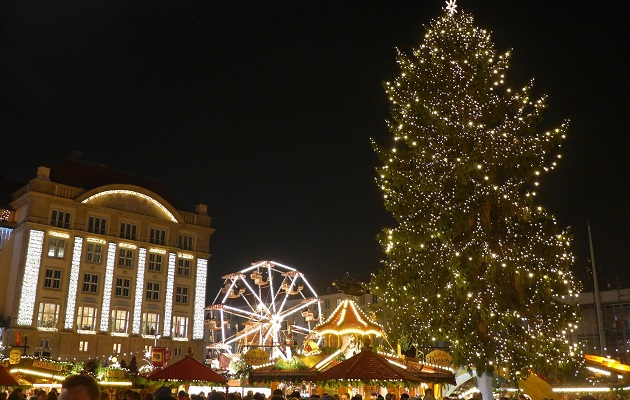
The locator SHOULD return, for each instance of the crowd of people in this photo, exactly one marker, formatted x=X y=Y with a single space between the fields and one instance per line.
x=84 y=387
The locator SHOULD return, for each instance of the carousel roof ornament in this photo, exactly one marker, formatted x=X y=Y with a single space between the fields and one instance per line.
x=348 y=318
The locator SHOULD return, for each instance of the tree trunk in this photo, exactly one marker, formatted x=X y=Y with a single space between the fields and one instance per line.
x=484 y=383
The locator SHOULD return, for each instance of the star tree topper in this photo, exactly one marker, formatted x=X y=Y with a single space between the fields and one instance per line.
x=451 y=7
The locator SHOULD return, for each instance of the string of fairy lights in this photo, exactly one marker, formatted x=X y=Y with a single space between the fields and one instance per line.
x=472 y=261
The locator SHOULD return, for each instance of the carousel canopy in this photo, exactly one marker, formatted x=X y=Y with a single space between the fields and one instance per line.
x=367 y=366
x=6 y=379
x=348 y=318
x=187 y=369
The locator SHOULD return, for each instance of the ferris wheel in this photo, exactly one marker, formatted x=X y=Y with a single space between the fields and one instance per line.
x=264 y=298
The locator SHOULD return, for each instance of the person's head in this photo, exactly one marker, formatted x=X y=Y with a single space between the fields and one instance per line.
x=345 y=396
x=373 y=395
x=428 y=392
x=79 y=387
x=133 y=396
x=404 y=396
x=104 y=395
x=278 y=392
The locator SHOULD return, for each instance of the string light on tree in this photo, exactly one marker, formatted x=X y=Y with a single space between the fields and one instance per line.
x=472 y=262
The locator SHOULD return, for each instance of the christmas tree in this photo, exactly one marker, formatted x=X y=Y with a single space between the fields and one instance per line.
x=472 y=263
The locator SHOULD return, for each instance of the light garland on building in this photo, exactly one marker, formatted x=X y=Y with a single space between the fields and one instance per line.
x=132 y=193
x=31 y=278
x=90 y=239
x=157 y=251
x=168 y=301
x=62 y=235
x=73 y=284
x=137 y=306
x=200 y=298
x=107 y=286
x=5 y=233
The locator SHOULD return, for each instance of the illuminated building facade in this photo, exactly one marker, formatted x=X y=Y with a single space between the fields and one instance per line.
x=95 y=263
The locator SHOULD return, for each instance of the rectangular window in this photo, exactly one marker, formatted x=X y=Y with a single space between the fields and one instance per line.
x=153 y=291
x=90 y=283
x=44 y=343
x=56 y=247
x=128 y=231
x=180 y=327
x=181 y=295
x=48 y=316
x=125 y=258
x=177 y=352
x=86 y=318
x=52 y=279
x=150 y=322
x=183 y=267
x=123 y=287
x=97 y=225
x=60 y=219
x=157 y=236
x=120 y=320
x=155 y=262
x=327 y=304
x=116 y=349
x=83 y=346
x=185 y=242
x=93 y=253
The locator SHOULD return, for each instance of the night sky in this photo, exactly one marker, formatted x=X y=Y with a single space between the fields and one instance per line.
x=264 y=110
